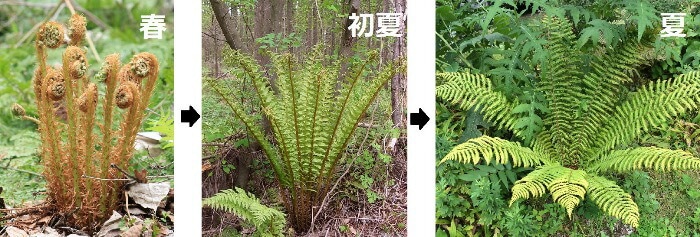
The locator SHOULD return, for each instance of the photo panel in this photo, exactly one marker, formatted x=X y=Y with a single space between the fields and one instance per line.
x=86 y=89
x=304 y=118
x=567 y=118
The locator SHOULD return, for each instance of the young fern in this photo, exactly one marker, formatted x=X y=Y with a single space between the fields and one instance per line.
x=79 y=148
x=268 y=221
x=590 y=117
x=311 y=120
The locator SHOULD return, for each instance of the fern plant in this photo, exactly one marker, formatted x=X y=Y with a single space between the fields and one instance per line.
x=268 y=221
x=77 y=149
x=593 y=118
x=311 y=120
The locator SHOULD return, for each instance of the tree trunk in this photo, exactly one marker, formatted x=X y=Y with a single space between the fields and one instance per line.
x=220 y=11
x=398 y=83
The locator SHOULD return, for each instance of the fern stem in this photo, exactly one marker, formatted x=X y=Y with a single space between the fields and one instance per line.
x=107 y=132
x=72 y=131
x=337 y=121
x=295 y=114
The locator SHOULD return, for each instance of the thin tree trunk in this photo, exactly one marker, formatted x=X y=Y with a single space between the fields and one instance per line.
x=398 y=83
x=220 y=11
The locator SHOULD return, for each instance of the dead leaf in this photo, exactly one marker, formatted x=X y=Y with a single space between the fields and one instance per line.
x=149 y=195
x=12 y=231
x=148 y=141
x=206 y=166
x=141 y=176
x=134 y=231
x=48 y=232
x=111 y=227
x=352 y=230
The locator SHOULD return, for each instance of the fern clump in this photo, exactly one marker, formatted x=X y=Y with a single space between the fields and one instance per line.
x=77 y=149
x=592 y=117
x=311 y=119
x=268 y=221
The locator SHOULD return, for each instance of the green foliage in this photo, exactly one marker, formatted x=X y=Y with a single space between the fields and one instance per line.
x=520 y=223
x=279 y=41
x=311 y=122
x=268 y=221
x=648 y=158
x=589 y=118
x=164 y=126
x=492 y=149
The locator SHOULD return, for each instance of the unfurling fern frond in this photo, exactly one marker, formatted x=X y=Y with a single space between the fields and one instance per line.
x=268 y=221
x=495 y=149
x=650 y=158
x=612 y=199
x=567 y=186
x=652 y=105
x=475 y=91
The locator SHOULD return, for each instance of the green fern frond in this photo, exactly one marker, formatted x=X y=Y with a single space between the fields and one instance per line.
x=652 y=105
x=612 y=199
x=475 y=91
x=535 y=183
x=268 y=221
x=492 y=149
x=650 y=158
x=313 y=112
x=604 y=82
x=567 y=186
x=255 y=130
x=559 y=77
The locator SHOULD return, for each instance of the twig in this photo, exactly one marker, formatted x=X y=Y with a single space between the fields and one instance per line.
x=367 y=125
x=12 y=19
x=22 y=213
x=323 y=203
x=90 y=16
x=36 y=27
x=23 y=171
x=87 y=35
x=123 y=172
x=26 y=4
x=103 y=179
x=126 y=207
x=149 y=177
x=21 y=208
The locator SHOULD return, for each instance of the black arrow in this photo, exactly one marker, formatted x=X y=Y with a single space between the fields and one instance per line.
x=189 y=116
x=419 y=118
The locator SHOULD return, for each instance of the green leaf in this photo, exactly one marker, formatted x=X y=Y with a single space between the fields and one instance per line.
x=472 y=176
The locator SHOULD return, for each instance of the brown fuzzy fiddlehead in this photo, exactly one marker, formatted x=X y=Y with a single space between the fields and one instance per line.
x=70 y=150
x=88 y=100
x=76 y=26
x=56 y=89
x=76 y=61
x=126 y=94
x=51 y=34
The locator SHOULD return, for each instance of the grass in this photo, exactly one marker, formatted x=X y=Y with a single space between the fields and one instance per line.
x=669 y=212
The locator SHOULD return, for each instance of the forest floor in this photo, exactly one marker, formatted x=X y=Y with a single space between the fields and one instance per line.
x=349 y=213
